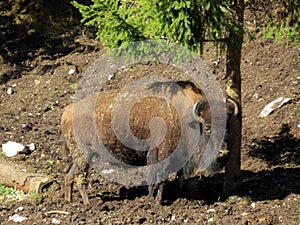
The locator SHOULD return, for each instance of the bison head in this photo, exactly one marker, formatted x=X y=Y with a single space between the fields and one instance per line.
x=202 y=114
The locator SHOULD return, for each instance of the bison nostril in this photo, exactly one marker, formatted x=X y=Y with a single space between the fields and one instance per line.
x=207 y=129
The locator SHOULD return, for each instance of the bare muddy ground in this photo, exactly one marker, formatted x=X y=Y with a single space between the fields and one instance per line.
x=41 y=87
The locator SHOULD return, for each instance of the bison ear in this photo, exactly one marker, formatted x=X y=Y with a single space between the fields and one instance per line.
x=231 y=107
x=198 y=106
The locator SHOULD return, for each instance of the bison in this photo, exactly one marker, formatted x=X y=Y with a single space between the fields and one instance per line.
x=93 y=116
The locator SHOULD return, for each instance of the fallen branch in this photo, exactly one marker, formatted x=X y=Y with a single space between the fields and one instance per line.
x=57 y=212
x=13 y=176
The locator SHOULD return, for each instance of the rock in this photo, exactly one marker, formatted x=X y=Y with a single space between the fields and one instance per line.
x=12 y=148
x=17 y=218
x=276 y=104
x=9 y=91
x=72 y=71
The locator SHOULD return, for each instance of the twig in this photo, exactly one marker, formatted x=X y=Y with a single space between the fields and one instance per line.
x=57 y=212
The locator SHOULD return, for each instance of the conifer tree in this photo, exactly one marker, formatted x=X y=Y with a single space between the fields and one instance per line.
x=191 y=24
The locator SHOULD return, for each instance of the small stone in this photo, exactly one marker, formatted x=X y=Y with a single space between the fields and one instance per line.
x=55 y=221
x=19 y=209
x=211 y=211
x=17 y=218
x=31 y=146
x=9 y=91
x=173 y=217
x=72 y=71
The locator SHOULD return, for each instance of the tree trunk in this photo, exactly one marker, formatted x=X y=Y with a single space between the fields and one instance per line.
x=232 y=179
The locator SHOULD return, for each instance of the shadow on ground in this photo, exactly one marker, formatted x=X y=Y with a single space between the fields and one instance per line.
x=31 y=29
x=278 y=150
x=263 y=185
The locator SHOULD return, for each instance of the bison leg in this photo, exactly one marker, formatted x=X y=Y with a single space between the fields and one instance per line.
x=153 y=188
x=156 y=192
x=159 y=196
x=69 y=180
x=152 y=158
x=179 y=177
x=81 y=184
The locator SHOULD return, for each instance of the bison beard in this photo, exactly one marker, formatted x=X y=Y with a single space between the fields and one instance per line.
x=100 y=107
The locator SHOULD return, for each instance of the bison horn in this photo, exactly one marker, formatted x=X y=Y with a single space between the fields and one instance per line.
x=236 y=108
x=195 y=111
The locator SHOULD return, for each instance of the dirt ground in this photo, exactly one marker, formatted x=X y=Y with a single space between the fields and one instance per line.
x=37 y=75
